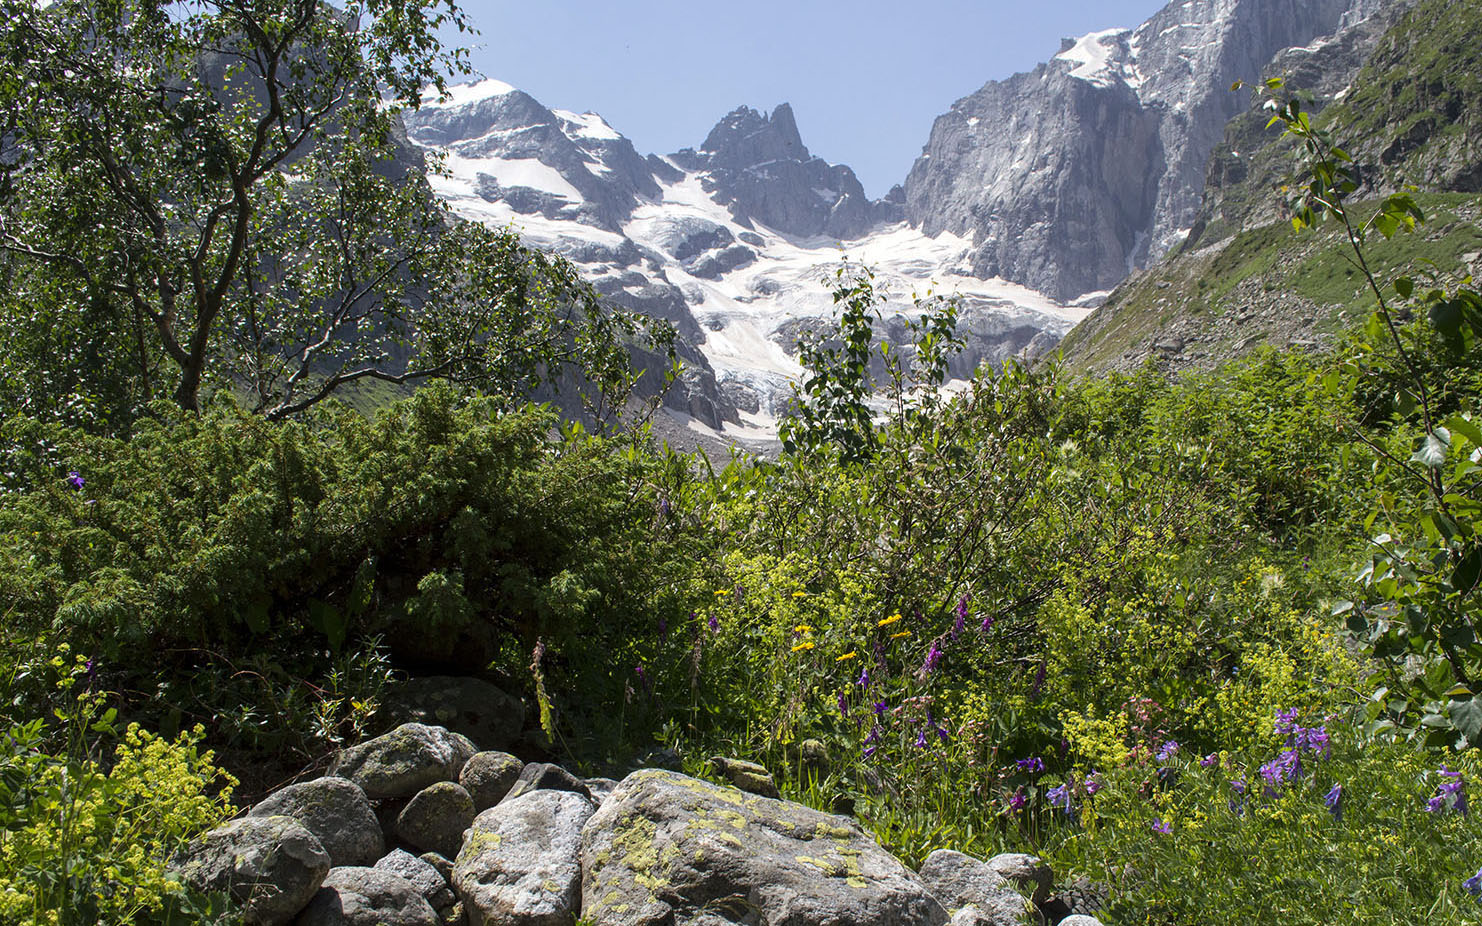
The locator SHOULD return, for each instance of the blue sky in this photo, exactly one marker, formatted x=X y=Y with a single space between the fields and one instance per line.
x=865 y=78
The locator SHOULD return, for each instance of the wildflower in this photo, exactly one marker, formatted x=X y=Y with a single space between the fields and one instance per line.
x=806 y=644
x=864 y=677
x=722 y=592
x=942 y=733
x=847 y=656
x=1039 y=683
x=880 y=707
x=1450 y=793
x=933 y=657
x=1060 y=797
x=75 y=480
x=1018 y=801
x=1163 y=826
x=802 y=628
x=961 y=621
x=714 y=623
x=889 y=620
x=1334 y=802
x=921 y=739
x=843 y=705
x=638 y=671
x=1473 y=885
x=1210 y=761
x=800 y=594
x=1093 y=784
x=903 y=633
x=870 y=751
x=1034 y=765
x=874 y=736
x=987 y=624
x=1168 y=751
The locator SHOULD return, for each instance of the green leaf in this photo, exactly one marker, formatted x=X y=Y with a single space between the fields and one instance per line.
x=1432 y=451
x=1468 y=571
x=1404 y=286
x=1466 y=428
x=1466 y=716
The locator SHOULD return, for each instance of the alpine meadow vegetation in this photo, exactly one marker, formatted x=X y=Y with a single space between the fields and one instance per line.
x=1208 y=644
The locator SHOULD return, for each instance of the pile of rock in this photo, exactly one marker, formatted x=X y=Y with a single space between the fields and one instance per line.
x=481 y=838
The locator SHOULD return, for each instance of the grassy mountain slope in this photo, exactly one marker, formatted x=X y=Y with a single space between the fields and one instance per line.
x=1405 y=98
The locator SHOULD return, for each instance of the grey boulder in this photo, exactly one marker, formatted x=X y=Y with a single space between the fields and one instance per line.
x=957 y=881
x=337 y=812
x=666 y=848
x=434 y=820
x=488 y=776
x=470 y=706
x=542 y=776
x=404 y=761
x=355 y=896
x=270 y=866
x=430 y=883
x=1080 y=919
x=521 y=861
x=1028 y=872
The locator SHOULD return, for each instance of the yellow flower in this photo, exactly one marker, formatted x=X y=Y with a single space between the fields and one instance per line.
x=847 y=656
x=903 y=633
x=721 y=592
x=806 y=644
x=802 y=628
x=889 y=620
x=800 y=594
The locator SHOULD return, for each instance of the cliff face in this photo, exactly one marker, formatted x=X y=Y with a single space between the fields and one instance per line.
x=1070 y=175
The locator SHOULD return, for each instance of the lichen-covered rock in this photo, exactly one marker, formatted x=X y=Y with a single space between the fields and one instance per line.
x=1080 y=919
x=957 y=880
x=521 y=861
x=1028 y=872
x=404 y=761
x=355 y=896
x=542 y=776
x=748 y=776
x=428 y=881
x=434 y=819
x=337 y=812
x=488 y=776
x=442 y=863
x=270 y=866
x=666 y=848
x=470 y=706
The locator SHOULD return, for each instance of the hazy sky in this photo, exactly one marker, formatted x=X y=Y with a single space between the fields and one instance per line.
x=865 y=78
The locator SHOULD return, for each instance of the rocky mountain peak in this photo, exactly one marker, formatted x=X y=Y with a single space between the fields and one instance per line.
x=747 y=138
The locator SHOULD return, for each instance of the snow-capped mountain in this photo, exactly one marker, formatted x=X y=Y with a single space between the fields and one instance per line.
x=1069 y=176
x=732 y=242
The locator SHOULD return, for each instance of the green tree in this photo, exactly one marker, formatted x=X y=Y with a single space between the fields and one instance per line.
x=217 y=193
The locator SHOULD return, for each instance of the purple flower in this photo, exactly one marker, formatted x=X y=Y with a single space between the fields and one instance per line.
x=870 y=751
x=1473 y=885
x=880 y=707
x=1168 y=750
x=663 y=630
x=1210 y=761
x=864 y=677
x=1039 y=683
x=933 y=658
x=1093 y=784
x=1060 y=797
x=638 y=671
x=874 y=736
x=1033 y=765
x=961 y=621
x=987 y=624
x=1163 y=826
x=942 y=733
x=1334 y=802
x=1286 y=722
x=714 y=623
x=1017 y=802
x=921 y=739
x=75 y=480
x=1450 y=793
x=843 y=705
x=1239 y=786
